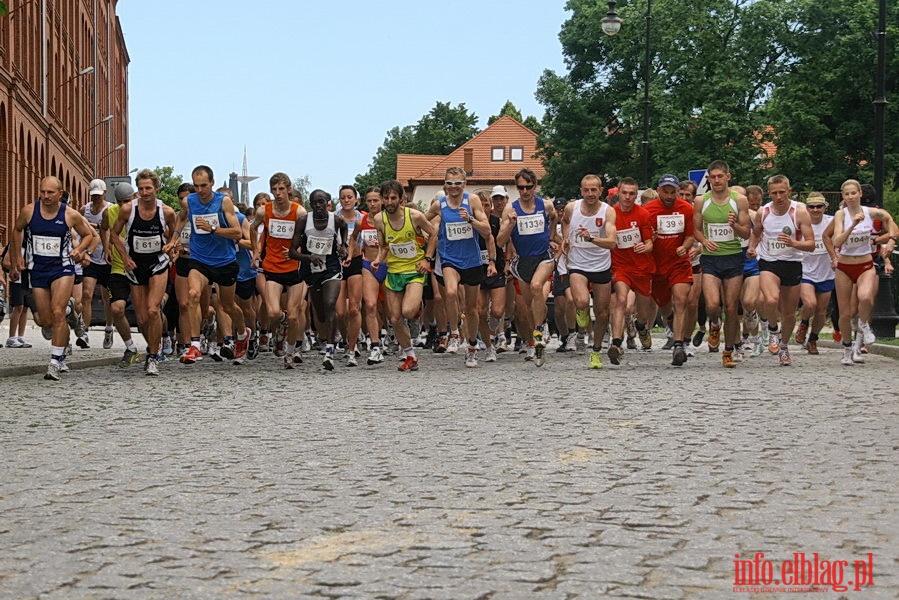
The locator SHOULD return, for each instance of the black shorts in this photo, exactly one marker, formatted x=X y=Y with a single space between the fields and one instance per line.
x=788 y=271
x=725 y=266
x=354 y=269
x=317 y=281
x=142 y=274
x=225 y=276
x=595 y=277
x=79 y=279
x=560 y=283
x=119 y=288
x=245 y=289
x=98 y=272
x=182 y=266
x=494 y=283
x=524 y=267
x=16 y=294
x=474 y=276
x=289 y=279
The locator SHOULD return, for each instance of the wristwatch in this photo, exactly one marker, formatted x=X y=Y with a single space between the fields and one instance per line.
x=214 y=229
x=470 y=218
x=430 y=259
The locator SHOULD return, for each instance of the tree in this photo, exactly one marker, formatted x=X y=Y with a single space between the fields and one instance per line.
x=168 y=190
x=302 y=185
x=509 y=109
x=711 y=68
x=441 y=131
x=3 y=9
x=820 y=112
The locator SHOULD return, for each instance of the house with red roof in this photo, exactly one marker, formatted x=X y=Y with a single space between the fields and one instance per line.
x=490 y=158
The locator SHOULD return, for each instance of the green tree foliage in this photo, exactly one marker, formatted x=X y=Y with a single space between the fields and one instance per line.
x=820 y=111
x=3 y=9
x=302 y=186
x=509 y=109
x=168 y=191
x=441 y=131
x=713 y=63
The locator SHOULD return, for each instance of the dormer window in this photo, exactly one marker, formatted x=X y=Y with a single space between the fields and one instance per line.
x=498 y=154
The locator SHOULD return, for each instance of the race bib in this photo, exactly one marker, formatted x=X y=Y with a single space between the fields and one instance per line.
x=185 y=236
x=858 y=240
x=720 y=232
x=212 y=219
x=459 y=231
x=45 y=245
x=485 y=257
x=368 y=237
x=775 y=247
x=531 y=224
x=628 y=238
x=404 y=250
x=147 y=244
x=670 y=224
x=281 y=228
x=583 y=242
x=320 y=245
x=819 y=247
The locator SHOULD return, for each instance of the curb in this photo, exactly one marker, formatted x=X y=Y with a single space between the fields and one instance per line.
x=38 y=369
x=880 y=349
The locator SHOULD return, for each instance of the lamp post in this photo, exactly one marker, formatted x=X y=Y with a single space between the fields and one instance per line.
x=611 y=25
x=105 y=156
x=880 y=101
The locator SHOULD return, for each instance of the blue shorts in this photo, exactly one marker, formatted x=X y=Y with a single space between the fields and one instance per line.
x=46 y=275
x=750 y=265
x=380 y=274
x=821 y=287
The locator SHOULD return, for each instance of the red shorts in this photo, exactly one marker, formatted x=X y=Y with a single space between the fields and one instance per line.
x=680 y=272
x=853 y=272
x=639 y=282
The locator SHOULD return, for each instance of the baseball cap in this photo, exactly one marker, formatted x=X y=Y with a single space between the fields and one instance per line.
x=97 y=187
x=559 y=203
x=499 y=190
x=123 y=191
x=668 y=179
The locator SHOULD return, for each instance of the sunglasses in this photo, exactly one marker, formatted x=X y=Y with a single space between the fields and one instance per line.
x=453 y=182
x=525 y=187
x=815 y=206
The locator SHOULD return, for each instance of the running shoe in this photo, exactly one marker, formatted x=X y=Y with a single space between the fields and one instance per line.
x=539 y=352
x=151 y=368
x=571 y=341
x=691 y=350
x=409 y=364
x=698 y=337
x=25 y=343
x=47 y=332
x=351 y=360
x=375 y=356
x=500 y=343
x=631 y=343
x=538 y=338
x=107 y=339
x=454 y=342
x=328 y=361
x=471 y=357
x=801 y=333
x=167 y=348
x=82 y=341
x=784 y=355
x=213 y=352
x=714 y=338
x=868 y=335
x=863 y=349
x=563 y=347
x=490 y=355
x=241 y=346
x=192 y=355
x=773 y=341
x=63 y=366
x=288 y=360
x=727 y=359
x=615 y=354
x=13 y=342
x=530 y=353
x=580 y=343
x=669 y=343
x=837 y=336
x=52 y=371
x=128 y=359
x=227 y=350
x=678 y=356
x=440 y=346
x=757 y=347
x=857 y=356
x=595 y=359
x=253 y=347
x=812 y=347
x=847 y=357
x=751 y=320
x=631 y=323
x=645 y=338
x=71 y=315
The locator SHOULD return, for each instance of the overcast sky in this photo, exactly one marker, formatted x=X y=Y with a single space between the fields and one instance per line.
x=311 y=89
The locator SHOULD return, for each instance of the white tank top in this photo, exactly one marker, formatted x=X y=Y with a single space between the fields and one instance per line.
x=816 y=264
x=584 y=255
x=772 y=226
x=859 y=241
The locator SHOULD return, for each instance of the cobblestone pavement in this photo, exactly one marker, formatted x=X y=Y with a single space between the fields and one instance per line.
x=505 y=481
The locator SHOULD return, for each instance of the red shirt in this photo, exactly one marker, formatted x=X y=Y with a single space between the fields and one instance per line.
x=633 y=226
x=671 y=226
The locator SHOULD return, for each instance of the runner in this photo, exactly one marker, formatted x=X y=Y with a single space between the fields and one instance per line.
x=818 y=276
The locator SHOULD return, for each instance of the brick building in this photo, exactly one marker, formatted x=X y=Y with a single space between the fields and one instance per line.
x=63 y=98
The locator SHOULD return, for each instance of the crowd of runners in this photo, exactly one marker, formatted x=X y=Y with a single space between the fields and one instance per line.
x=366 y=279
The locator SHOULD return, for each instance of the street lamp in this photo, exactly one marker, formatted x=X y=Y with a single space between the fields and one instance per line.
x=81 y=73
x=611 y=25
x=880 y=101
x=105 y=119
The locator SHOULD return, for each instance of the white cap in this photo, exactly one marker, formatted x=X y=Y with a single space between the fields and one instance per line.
x=499 y=190
x=97 y=187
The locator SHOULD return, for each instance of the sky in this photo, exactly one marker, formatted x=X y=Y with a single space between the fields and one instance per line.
x=312 y=88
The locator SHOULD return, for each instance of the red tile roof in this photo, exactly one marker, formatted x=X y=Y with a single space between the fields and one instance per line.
x=414 y=169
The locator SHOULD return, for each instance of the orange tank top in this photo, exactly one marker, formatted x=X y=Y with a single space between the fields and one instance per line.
x=278 y=237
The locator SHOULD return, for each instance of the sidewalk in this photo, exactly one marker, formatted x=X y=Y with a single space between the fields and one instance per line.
x=33 y=361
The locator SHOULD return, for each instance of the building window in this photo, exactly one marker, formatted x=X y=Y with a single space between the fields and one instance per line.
x=498 y=154
x=516 y=153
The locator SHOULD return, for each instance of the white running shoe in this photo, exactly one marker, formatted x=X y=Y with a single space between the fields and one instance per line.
x=490 y=355
x=868 y=335
x=471 y=357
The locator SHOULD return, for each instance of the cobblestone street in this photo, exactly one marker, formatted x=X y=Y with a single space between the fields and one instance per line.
x=505 y=481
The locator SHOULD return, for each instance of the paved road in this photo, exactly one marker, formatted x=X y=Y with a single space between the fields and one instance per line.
x=639 y=481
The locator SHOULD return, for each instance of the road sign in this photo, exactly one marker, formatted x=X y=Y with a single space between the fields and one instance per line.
x=701 y=179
